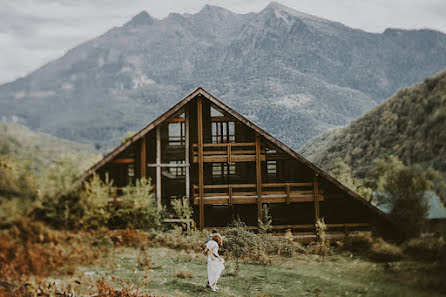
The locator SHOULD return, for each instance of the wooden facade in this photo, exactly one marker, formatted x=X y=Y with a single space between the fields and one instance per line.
x=228 y=167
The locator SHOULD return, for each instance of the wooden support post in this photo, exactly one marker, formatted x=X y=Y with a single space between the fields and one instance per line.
x=186 y=153
x=287 y=193
x=316 y=196
x=200 y=159
x=158 y=168
x=229 y=154
x=143 y=158
x=259 y=179
x=230 y=195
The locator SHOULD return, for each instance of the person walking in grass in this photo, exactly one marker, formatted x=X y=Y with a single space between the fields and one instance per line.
x=215 y=262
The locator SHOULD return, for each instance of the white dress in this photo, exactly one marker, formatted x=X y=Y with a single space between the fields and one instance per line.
x=214 y=267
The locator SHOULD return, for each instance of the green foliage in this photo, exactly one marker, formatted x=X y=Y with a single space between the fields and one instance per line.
x=239 y=241
x=18 y=189
x=94 y=199
x=137 y=208
x=403 y=189
x=16 y=180
x=58 y=202
x=184 y=211
x=342 y=172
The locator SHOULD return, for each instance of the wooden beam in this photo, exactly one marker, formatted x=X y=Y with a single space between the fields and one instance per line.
x=168 y=165
x=124 y=161
x=316 y=197
x=174 y=120
x=186 y=153
x=158 y=168
x=200 y=159
x=258 y=178
x=225 y=159
x=222 y=119
x=287 y=193
x=243 y=198
x=230 y=195
x=143 y=157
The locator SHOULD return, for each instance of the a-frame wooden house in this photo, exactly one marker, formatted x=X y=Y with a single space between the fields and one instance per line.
x=227 y=166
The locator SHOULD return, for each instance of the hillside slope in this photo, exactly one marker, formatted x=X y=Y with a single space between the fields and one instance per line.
x=293 y=74
x=411 y=125
x=42 y=149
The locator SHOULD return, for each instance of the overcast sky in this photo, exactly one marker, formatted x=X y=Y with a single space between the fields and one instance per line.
x=34 y=32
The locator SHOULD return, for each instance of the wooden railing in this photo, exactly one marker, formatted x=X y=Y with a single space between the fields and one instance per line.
x=246 y=193
x=228 y=152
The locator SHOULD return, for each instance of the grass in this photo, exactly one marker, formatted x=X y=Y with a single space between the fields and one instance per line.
x=179 y=273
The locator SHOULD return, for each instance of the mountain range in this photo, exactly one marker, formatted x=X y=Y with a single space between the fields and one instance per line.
x=410 y=125
x=293 y=74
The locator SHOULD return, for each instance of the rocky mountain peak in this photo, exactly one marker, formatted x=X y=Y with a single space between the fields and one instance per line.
x=141 y=19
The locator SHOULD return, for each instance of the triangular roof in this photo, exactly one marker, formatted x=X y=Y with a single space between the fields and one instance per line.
x=217 y=102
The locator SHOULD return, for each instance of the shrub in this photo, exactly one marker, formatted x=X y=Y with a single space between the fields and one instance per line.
x=184 y=211
x=94 y=201
x=239 y=242
x=177 y=239
x=18 y=190
x=31 y=248
x=428 y=248
x=137 y=209
x=385 y=252
x=359 y=241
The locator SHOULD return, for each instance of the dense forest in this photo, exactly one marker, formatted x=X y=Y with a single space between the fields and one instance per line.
x=410 y=125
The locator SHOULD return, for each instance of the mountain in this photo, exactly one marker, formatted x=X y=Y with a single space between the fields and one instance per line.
x=42 y=149
x=411 y=125
x=293 y=74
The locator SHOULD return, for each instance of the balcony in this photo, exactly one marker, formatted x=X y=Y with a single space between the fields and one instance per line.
x=228 y=152
x=246 y=193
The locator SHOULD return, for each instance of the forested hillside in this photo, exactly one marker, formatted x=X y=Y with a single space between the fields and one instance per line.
x=410 y=125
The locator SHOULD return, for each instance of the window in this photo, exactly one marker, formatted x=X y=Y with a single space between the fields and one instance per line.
x=223 y=169
x=176 y=133
x=271 y=167
x=177 y=171
x=223 y=132
x=131 y=172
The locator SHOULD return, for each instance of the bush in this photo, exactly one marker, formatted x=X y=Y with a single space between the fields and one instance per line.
x=137 y=208
x=240 y=243
x=18 y=190
x=430 y=248
x=358 y=242
x=58 y=204
x=177 y=239
x=30 y=247
x=385 y=252
x=94 y=201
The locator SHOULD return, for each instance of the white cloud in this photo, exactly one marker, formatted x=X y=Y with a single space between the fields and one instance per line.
x=34 y=32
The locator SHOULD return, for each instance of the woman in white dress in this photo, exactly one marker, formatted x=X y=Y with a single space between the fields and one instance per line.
x=215 y=262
